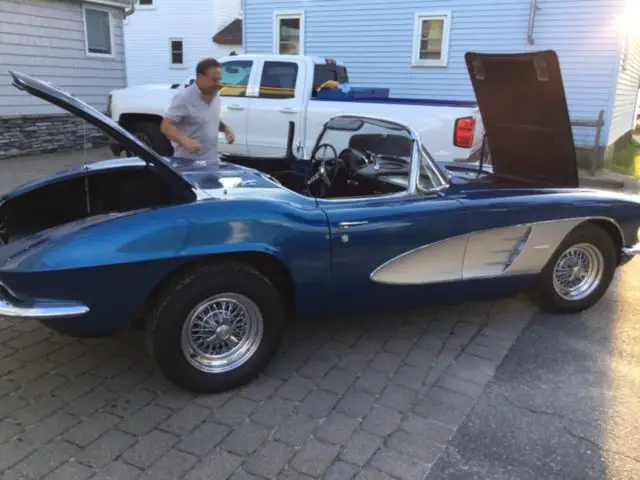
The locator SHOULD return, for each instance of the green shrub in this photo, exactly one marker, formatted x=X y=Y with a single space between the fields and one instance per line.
x=623 y=159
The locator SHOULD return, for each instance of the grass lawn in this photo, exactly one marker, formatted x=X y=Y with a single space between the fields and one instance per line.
x=626 y=160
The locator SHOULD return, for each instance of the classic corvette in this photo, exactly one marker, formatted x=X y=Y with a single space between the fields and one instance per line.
x=216 y=258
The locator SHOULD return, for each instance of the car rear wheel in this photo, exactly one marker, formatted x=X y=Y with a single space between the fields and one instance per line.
x=216 y=327
x=579 y=272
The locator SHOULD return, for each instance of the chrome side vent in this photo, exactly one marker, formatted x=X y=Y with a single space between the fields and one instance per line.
x=517 y=249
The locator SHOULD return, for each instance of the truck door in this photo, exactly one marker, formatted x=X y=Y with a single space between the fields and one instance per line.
x=279 y=101
x=236 y=76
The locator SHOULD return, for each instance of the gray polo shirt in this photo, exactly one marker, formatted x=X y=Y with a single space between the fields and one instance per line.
x=196 y=119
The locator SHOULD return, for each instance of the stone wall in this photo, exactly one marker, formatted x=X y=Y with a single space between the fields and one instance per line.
x=31 y=135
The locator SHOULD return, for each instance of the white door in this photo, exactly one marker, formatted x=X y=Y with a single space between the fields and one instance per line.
x=279 y=101
x=236 y=75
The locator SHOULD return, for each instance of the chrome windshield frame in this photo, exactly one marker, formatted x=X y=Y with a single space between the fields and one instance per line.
x=417 y=149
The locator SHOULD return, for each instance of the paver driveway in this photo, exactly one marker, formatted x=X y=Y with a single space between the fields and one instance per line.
x=371 y=397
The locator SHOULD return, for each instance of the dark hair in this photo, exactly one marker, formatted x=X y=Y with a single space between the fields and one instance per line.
x=204 y=65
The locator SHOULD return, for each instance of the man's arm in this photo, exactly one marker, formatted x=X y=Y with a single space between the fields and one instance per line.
x=224 y=128
x=169 y=129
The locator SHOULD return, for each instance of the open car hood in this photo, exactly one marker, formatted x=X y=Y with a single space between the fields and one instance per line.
x=525 y=115
x=68 y=102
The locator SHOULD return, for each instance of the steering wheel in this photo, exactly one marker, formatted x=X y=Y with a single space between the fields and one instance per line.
x=324 y=168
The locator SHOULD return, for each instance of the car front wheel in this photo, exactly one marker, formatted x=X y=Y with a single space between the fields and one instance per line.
x=216 y=327
x=579 y=272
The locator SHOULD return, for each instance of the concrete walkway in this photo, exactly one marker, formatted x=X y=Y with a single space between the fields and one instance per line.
x=607 y=180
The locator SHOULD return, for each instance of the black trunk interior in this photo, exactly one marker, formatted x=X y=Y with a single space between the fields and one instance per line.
x=118 y=190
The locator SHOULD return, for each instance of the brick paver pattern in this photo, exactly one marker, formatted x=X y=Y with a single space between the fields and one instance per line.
x=364 y=398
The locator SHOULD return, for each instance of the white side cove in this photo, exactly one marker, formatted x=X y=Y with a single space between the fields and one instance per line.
x=513 y=250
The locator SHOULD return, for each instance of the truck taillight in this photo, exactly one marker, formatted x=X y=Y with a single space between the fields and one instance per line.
x=463 y=132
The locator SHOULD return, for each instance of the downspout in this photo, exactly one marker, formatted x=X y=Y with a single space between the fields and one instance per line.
x=532 y=18
x=132 y=9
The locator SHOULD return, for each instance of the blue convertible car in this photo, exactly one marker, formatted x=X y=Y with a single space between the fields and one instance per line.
x=215 y=259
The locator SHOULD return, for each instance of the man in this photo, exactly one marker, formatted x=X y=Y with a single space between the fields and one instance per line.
x=192 y=121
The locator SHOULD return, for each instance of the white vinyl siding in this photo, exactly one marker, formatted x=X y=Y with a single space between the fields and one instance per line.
x=628 y=83
x=195 y=22
x=46 y=38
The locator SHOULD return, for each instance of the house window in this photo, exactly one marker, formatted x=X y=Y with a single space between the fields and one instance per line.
x=98 y=31
x=177 y=52
x=288 y=33
x=278 y=80
x=145 y=3
x=431 y=39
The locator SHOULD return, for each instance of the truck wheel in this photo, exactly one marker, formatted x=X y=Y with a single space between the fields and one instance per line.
x=579 y=272
x=149 y=133
x=216 y=327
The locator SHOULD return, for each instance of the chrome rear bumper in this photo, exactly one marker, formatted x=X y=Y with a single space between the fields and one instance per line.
x=42 y=310
x=631 y=251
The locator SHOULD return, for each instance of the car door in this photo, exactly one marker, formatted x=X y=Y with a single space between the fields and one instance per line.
x=235 y=83
x=278 y=102
x=382 y=251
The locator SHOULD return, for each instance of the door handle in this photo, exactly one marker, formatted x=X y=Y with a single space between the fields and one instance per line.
x=235 y=107
x=345 y=225
x=288 y=110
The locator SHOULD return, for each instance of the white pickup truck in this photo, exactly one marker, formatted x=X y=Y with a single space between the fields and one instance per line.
x=261 y=94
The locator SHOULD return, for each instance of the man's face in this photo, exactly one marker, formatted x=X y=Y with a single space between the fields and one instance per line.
x=209 y=82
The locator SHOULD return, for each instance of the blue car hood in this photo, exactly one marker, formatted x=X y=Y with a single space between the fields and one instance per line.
x=212 y=179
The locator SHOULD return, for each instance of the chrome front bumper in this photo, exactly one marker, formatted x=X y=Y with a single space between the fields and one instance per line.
x=42 y=310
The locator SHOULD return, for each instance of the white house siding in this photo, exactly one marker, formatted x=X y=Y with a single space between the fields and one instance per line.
x=149 y=30
x=628 y=83
x=45 y=38
x=375 y=39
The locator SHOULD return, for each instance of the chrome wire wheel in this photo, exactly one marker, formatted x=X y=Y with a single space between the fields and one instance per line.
x=578 y=272
x=222 y=332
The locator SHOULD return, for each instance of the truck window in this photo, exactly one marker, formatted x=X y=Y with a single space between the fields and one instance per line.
x=235 y=78
x=324 y=72
x=278 y=80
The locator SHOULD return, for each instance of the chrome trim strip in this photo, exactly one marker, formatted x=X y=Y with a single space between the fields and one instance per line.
x=416 y=156
x=42 y=310
x=504 y=251
x=631 y=251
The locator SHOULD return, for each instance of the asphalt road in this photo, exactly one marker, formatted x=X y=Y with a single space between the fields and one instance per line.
x=565 y=402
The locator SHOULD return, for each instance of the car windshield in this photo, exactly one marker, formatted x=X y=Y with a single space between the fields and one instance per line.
x=384 y=138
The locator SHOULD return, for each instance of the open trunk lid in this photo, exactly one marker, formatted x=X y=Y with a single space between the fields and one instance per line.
x=524 y=110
